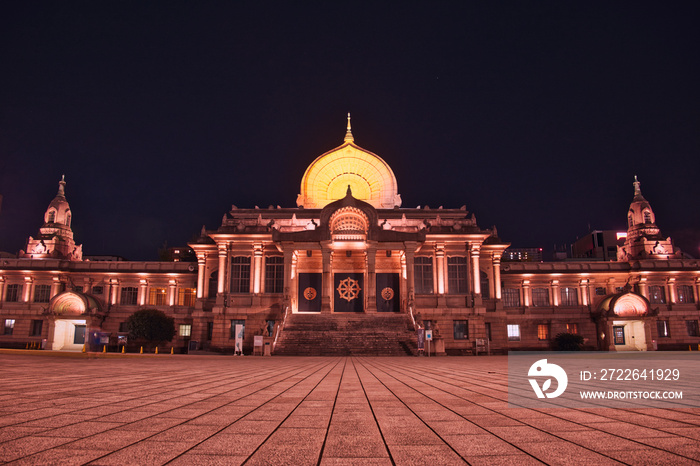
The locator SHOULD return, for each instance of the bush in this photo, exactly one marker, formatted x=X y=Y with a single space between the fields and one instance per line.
x=568 y=342
x=150 y=325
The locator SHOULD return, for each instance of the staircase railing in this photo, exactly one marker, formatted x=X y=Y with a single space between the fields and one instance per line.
x=280 y=327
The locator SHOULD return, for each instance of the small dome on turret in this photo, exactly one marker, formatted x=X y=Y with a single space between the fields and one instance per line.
x=59 y=210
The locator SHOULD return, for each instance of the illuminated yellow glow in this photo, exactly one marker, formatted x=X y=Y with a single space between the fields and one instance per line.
x=630 y=305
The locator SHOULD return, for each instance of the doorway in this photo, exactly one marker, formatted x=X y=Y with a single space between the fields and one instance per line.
x=69 y=334
x=629 y=335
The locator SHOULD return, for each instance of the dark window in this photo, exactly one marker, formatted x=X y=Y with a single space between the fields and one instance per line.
x=600 y=291
x=210 y=330
x=487 y=326
x=42 y=293
x=457 y=275
x=274 y=274
x=540 y=297
x=97 y=290
x=423 y=275
x=213 y=284
x=13 y=293
x=485 y=288
x=240 y=274
x=129 y=295
x=685 y=294
x=37 y=327
x=647 y=216
x=511 y=297
x=569 y=297
x=235 y=322
x=460 y=329
x=619 y=289
x=9 y=326
x=657 y=294
x=619 y=335
x=123 y=327
x=78 y=288
x=692 y=326
x=663 y=329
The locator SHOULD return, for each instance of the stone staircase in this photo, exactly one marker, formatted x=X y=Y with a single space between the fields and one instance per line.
x=382 y=334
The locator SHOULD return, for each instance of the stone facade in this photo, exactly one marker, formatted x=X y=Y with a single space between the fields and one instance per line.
x=348 y=246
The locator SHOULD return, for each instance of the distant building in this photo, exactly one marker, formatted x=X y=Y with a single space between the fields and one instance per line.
x=598 y=245
x=349 y=271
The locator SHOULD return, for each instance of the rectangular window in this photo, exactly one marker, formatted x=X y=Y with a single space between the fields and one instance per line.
x=78 y=288
x=240 y=274
x=37 y=327
x=513 y=332
x=663 y=329
x=157 y=296
x=185 y=330
x=600 y=291
x=42 y=293
x=457 y=275
x=460 y=329
x=569 y=297
x=619 y=289
x=14 y=291
x=129 y=295
x=572 y=328
x=540 y=297
x=511 y=297
x=543 y=332
x=186 y=297
x=657 y=294
x=210 y=330
x=235 y=322
x=619 y=335
x=97 y=289
x=685 y=294
x=123 y=327
x=9 y=326
x=692 y=326
x=423 y=275
x=487 y=326
x=274 y=274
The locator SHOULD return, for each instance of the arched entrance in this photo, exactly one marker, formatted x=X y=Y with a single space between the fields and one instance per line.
x=624 y=323
x=71 y=316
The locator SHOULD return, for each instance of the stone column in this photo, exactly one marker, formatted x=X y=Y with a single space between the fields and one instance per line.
x=257 y=268
x=2 y=290
x=697 y=292
x=497 y=275
x=555 y=293
x=476 y=272
x=440 y=266
x=371 y=283
x=583 y=288
x=223 y=253
x=143 y=287
x=671 y=287
x=55 y=287
x=327 y=285
x=526 y=293
x=201 y=270
x=643 y=287
x=172 y=292
x=114 y=289
x=410 y=254
x=28 y=287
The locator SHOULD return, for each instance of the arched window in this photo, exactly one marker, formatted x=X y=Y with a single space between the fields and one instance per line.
x=349 y=223
x=647 y=216
x=630 y=221
x=213 y=284
x=68 y=219
x=52 y=216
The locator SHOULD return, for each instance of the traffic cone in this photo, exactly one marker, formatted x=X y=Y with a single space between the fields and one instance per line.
x=27 y=347
x=104 y=348
x=123 y=349
x=142 y=350
x=84 y=350
x=173 y=352
x=156 y=350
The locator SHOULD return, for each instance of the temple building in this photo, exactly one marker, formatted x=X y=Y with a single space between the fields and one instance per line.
x=350 y=271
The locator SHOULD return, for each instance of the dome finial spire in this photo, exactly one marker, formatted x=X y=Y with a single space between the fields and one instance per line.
x=637 y=187
x=348 y=133
x=62 y=186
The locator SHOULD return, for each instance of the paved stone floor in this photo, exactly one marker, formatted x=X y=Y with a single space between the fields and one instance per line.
x=287 y=410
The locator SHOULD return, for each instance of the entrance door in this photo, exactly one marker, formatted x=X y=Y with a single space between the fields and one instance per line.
x=629 y=335
x=79 y=337
x=388 y=292
x=348 y=292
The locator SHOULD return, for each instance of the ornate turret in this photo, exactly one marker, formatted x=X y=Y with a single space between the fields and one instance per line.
x=644 y=240
x=55 y=238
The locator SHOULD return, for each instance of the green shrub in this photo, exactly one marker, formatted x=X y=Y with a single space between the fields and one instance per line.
x=151 y=325
x=568 y=342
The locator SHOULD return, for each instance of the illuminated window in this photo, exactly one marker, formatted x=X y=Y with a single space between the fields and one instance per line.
x=460 y=329
x=129 y=295
x=457 y=275
x=423 y=275
x=157 y=297
x=569 y=297
x=619 y=335
x=240 y=274
x=42 y=293
x=663 y=329
x=657 y=294
x=692 y=327
x=572 y=328
x=513 y=332
x=185 y=330
x=685 y=294
x=511 y=297
x=543 y=332
x=540 y=297
x=9 y=326
x=13 y=293
x=274 y=274
x=186 y=296
x=349 y=223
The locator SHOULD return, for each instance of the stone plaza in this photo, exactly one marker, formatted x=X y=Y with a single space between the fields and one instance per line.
x=108 y=409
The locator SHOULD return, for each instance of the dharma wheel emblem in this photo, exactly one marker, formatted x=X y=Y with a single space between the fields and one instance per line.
x=349 y=289
x=310 y=294
x=387 y=294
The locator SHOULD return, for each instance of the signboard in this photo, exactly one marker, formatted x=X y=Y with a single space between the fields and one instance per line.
x=258 y=340
x=429 y=335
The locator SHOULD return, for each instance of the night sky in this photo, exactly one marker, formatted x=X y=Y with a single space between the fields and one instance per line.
x=535 y=115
